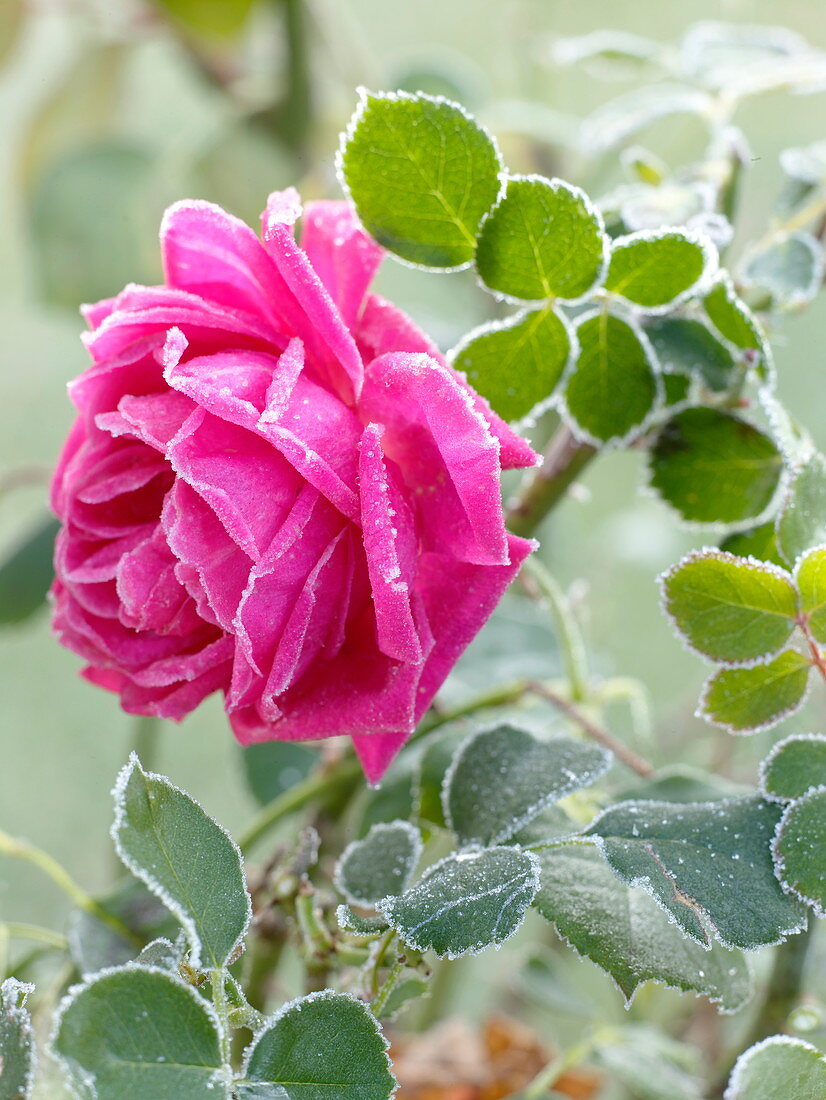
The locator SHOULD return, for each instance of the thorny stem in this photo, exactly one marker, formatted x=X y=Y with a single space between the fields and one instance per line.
x=22 y=849
x=564 y=459
x=541 y=585
x=377 y=1006
x=596 y=732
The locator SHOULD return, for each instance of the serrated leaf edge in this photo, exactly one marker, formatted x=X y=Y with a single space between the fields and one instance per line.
x=765 y=764
x=747 y=731
x=171 y=903
x=416 y=849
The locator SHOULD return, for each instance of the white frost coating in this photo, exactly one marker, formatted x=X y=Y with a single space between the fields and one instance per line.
x=364 y=94
x=379 y=829
x=701 y=285
x=526 y=881
x=644 y=883
x=763 y=768
x=10 y=989
x=802 y=295
x=296 y=1005
x=75 y=1072
x=734 y=1088
x=118 y=793
x=774 y=720
x=779 y=863
x=554 y=184
x=703 y=554
x=575 y=782
x=615 y=442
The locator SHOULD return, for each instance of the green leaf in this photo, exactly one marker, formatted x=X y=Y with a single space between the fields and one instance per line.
x=612 y=388
x=272 y=767
x=543 y=239
x=708 y=864
x=186 y=859
x=730 y=609
x=790 y=269
x=435 y=761
x=95 y=945
x=140 y=1033
x=794 y=766
x=801 y=522
x=323 y=1046
x=624 y=931
x=17 y=1047
x=161 y=954
x=26 y=573
x=713 y=467
x=357 y=925
x=686 y=346
x=380 y=864
x=422 y=173
x=658 y=268
x=800 y=849
x=755 y=542
x=676 y=390
x=734 y=320
x=680 y=783
x=516 y=364
x=466 y=902
x=502 y=778
x=810 y=578
x=213 y=18
x=651 y=1065
x=779 y=1068
x=746 y=700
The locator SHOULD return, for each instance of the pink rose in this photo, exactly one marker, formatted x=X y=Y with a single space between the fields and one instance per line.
x=276 y=488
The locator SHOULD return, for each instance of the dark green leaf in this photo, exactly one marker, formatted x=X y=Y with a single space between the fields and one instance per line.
x=26 y=574
x=422 y=173
x=657 y=268
x=543 y=239
x=730 y=609
x=502 y=778
x=676 y=390
x=685 y=346
x=140 y=1033
x=794 y=766
x=757 y=542
x=745 y=700
x=95 y=945
x=466 y=902
x=380 y=864
x=17 y=1049
x=322 y=1047
x=518 y=363
x=790 y=269
x=733 y=319
x=627 y=934
x=165 y=838
x=800 y=849
x=779 y=1068
x=612 y=388
x=433 y=766
x=714 y=467
x=162 y=954
x=801 y=522
x=272 y=767
x=708 y=864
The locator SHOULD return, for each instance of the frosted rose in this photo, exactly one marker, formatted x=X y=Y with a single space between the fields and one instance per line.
x=276 y=488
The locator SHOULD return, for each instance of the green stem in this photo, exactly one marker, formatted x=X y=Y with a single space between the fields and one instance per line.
x=565 y=458
x=568 y=633
x=548 y=1077
x=293 y=116
x=36 y=934
x=22 y=849
x=377 y=1006
x=219 y=1001
x=146 y=740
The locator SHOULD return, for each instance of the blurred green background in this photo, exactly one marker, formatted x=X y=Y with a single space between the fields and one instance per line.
x=112 y=109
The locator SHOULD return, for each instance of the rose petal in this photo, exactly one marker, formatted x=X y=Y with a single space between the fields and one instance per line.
x=344 y=257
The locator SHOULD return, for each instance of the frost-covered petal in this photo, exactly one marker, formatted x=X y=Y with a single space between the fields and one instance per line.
x=345 y=258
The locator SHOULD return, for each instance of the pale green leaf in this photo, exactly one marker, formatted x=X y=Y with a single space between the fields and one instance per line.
x=17 y=1043
x=745 y=700
x=422 y=173
x=810 y=578
x=502 y=778
x=272 y=767
x=779 y=1068
x=658 y=268
x=326 y=1046
x=801 y=522
x=687 y=346
x=713 y=467
x=517 y=364
x=467 y=902
x=708 y=864
x=794 y=766
x=543 y=239
x=185 y=858
x=140 y=1033
x=612 y=388
x=380 y=864
x=730 y=609
x=800 y=849
x=789 y=269
x=623 y=930
x=613 y=123
x=734 y=320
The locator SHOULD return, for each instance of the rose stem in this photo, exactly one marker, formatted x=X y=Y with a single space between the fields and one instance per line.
x=564 y=459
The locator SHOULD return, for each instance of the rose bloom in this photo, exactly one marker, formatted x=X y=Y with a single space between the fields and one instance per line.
x=276 y=488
